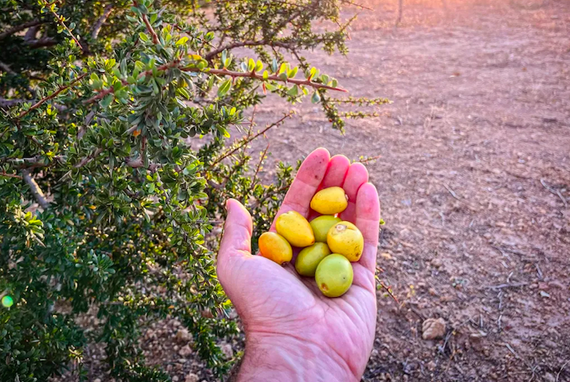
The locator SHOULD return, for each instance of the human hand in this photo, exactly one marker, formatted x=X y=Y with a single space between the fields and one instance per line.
x=293 y=332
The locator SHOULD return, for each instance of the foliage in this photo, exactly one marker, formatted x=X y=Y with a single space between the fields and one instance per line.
x=115 y=162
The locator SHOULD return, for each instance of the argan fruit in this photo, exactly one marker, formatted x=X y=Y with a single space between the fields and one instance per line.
x=334 y=275
x=295 y=228
x=321 y=226
x=275 y=247
x=329 y=201
x=346 y=239
x=310 y=257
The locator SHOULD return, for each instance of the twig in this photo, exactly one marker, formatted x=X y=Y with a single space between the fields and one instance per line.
x=560 y=371
x=35 y=189
x=62 y=23
x=53 y=95
x=246 y=141
x=4 y=173
x=148 y=26
x=555 y=192
x=98 y=96
x=502 y=286
x=100 y=21
x=240 y=44
x=89 y=158
x=225 y=72
x=263 y=155
x=451 y=191
x=368 y=159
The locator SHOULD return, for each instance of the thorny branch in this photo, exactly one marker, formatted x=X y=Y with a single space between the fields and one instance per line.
x=35 y=189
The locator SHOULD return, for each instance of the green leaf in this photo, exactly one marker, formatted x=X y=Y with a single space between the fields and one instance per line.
x=182 y=41
x=316 y=98
x=224 y=87
x=106 y=101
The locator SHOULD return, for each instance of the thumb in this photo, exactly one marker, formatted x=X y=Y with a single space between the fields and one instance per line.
x=236 y=240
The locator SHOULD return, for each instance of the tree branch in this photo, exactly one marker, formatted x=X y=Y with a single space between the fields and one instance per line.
x=42 y=42
x=225 y=72
x=100 y=21
x=62 y=23
x=240 y=44
x=4 y=173
x=53 y=95
x=19 y=28
x=148 y=26
x=89 y=158
x=35 y=189
x=249 y=139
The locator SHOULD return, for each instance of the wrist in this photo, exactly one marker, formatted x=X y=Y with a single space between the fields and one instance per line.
x=277 y=357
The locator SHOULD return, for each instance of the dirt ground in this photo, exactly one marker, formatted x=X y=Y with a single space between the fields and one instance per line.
x=473 y=172
x=474 y=180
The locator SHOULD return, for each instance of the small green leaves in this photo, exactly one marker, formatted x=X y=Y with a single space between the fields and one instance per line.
x=182 y=41
x=316 y=98
x=224 y=87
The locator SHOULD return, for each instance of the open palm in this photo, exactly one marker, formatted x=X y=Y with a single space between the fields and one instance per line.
x=290 y=326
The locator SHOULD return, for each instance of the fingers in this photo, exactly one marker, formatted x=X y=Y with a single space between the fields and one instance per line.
x=356 y=176
x=368 y=222
x=336 y=171
x=306 y=183
x=237 y=232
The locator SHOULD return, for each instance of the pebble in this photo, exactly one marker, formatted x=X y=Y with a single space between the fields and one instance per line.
x=227 y=350
x=433 y=328
x=191 y=378
x=185 y=351
x=183 y=336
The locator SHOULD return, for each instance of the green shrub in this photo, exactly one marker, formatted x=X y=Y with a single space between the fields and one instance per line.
x=115 y=162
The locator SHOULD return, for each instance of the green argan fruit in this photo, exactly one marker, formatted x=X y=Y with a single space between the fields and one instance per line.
x=310 y=257
x=322 y=225
x=334 y=275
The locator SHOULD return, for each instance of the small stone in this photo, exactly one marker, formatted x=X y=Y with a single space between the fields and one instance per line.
x=175 y=379
x=191 y=378
x=436 y=263
x=549 y=377
x=183 y=336
x=227 y=350
x=97 y=380
x=185 y=351
x=431 y=366
x=433 y=328
x=386 y=256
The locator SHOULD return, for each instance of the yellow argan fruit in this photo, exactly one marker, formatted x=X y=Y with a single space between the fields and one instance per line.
x=275 y=247
x=310 y=257
x=329 y=201
x=346 y=239
x=321 y=226
x=334 y=275
x=295 y=228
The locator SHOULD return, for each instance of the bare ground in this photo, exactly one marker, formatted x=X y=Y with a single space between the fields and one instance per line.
x=474 y=180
